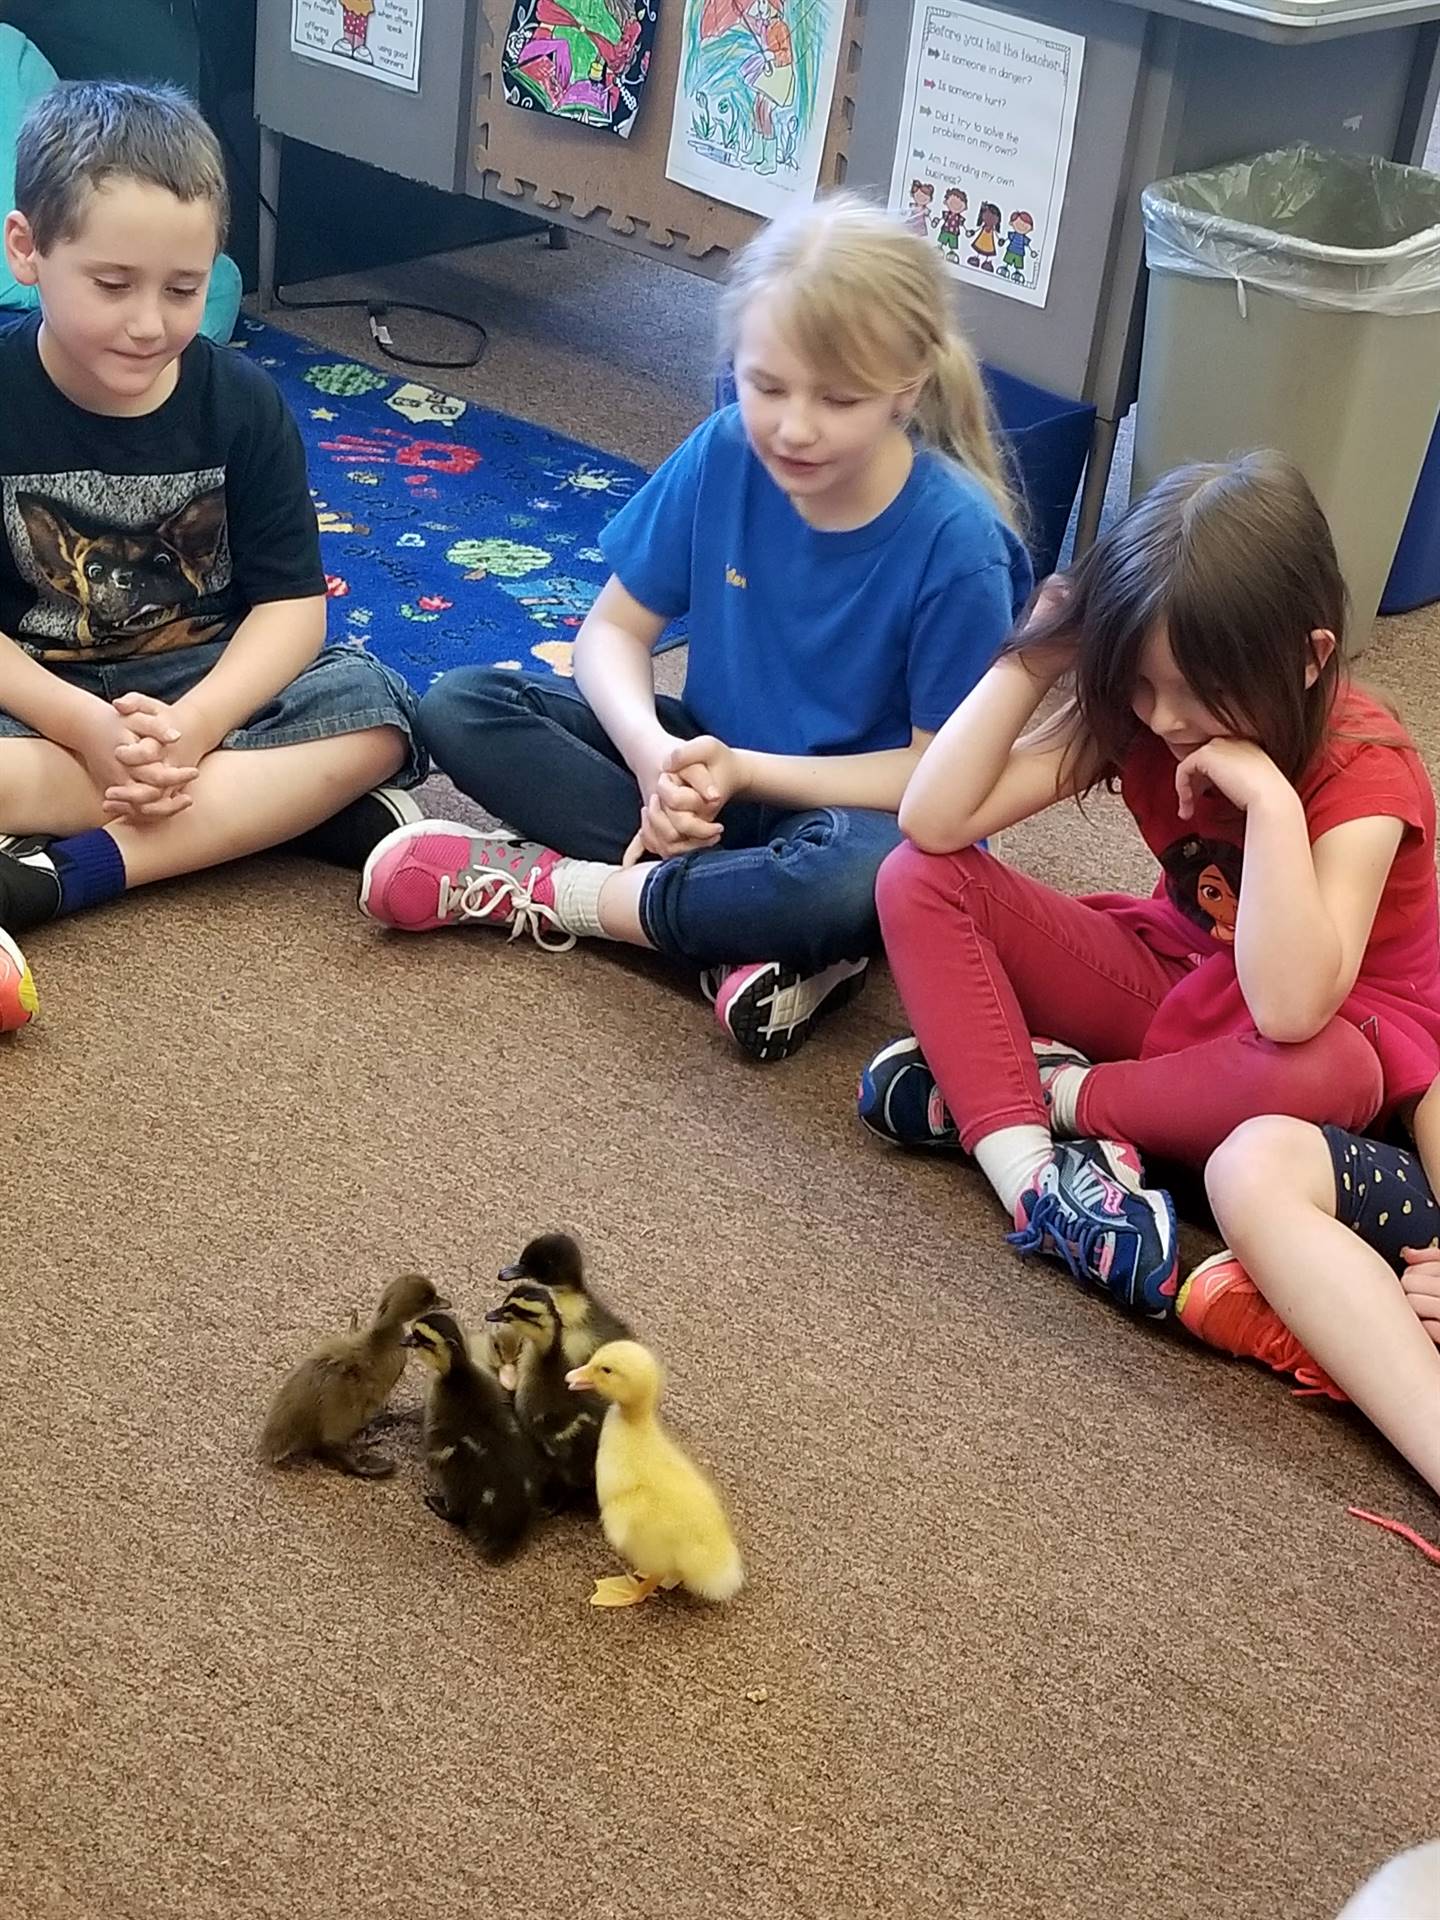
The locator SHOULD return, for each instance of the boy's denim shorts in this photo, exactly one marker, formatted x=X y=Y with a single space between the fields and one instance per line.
x=341 y=691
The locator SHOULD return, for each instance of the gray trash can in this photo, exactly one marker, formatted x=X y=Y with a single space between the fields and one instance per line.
x=1294 y=302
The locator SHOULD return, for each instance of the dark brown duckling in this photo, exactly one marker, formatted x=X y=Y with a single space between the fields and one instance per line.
x=562 y=1426
x=325 y=1402
x=485 y=1474
x=554 y=1261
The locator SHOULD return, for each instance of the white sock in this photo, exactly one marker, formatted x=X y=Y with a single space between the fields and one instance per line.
x=1063 y=1087
x=1011 y=1158
x=577 y=885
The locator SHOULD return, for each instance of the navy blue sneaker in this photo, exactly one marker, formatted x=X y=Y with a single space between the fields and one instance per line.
x=1089 y=1209
x=899 y=1101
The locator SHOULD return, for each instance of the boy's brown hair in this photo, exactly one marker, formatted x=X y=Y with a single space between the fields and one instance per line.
x=85 y=132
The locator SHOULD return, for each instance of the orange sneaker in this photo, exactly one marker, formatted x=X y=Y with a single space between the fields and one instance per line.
x=19 y=1002
x=1220 y=1304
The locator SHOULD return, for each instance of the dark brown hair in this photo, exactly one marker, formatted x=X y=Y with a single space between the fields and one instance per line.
x=85 y=132
x=1236 y=564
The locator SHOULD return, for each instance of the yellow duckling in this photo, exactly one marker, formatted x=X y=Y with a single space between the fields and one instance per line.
x=659 y=1511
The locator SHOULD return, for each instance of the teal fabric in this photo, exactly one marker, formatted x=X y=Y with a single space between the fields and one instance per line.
x=25 y=74
x=222 y=302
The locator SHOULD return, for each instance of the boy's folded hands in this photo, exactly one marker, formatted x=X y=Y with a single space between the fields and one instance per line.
x=135 y=753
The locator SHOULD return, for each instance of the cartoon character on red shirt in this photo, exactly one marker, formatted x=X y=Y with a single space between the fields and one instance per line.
x=1202 y=877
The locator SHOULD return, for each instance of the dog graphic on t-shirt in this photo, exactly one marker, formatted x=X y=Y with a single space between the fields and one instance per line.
x=135 y=588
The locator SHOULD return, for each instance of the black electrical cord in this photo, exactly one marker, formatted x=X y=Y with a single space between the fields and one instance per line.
x=377 y=312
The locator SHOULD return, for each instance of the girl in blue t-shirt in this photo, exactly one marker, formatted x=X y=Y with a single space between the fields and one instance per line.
x=842 y=545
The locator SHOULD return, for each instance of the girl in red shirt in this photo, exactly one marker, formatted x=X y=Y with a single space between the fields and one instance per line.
x=1288 y=961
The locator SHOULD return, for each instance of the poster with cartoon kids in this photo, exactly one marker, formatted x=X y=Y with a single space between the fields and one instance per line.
x=983 y=152
x=377 y=39
x=584 y=60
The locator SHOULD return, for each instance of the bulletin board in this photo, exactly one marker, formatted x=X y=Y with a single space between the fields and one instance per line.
x=535 y=161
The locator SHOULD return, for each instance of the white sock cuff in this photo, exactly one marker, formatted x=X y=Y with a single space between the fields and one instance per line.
x=1063 y=1088
x=577 y=885
x=1010 y=1159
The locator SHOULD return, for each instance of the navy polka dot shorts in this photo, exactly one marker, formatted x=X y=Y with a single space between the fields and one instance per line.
x=1382 y=1193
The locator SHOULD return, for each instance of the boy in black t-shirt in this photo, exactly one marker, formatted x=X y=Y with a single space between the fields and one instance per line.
x=162 y=603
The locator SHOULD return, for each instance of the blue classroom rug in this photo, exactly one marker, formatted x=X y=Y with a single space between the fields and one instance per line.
x=451 y=536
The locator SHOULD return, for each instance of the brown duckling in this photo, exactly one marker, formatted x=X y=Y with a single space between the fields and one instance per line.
x=554 y=1261
x=325 y=1402
x=485 y=1473
x=563 y=1427
x=499 y=1351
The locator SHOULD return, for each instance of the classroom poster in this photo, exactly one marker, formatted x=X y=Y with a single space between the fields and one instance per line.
x=983 y=151
x=752 y=101
x=584 y=60
x=378 y=39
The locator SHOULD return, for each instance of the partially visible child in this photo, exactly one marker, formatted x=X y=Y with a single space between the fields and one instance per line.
x=843 y=544
x=162 y=603
x=1333 y=1268
x=1289 y=961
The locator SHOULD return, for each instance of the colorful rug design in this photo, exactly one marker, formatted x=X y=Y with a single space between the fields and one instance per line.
x=451 y=536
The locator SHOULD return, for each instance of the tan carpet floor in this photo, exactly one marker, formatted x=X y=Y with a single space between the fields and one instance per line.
x=1049 y=1614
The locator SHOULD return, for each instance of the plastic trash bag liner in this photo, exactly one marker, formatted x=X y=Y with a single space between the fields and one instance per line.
x=1338 y=231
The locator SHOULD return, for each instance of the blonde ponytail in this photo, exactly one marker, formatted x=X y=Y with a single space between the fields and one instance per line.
x=868 y=303
x=954 y=415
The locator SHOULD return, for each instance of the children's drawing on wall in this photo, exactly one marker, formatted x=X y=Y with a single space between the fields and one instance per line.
x=379 y=39
x=584 y=60
x=987 y=123
x=752 y=104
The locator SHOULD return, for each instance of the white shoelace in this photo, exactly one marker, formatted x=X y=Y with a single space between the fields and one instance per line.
x=489 y=893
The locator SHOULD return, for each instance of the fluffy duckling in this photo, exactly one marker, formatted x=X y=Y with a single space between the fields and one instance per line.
x=563 y=1427
x=322 y=1406
x=659 y=1511
x=554 y=1261
x=486 y=1476
x=500 y=1350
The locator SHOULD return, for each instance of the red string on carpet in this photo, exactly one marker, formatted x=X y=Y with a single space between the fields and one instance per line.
x=1422 y=1545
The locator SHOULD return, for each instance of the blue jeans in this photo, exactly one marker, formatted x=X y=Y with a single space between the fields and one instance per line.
x=341 y=690
x=797 y=887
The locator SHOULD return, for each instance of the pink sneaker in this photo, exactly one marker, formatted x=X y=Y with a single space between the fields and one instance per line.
x=436 y=873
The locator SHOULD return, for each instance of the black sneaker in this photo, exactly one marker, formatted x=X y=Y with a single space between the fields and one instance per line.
x=770 y=1011
x=29 y=884
x=349 y=837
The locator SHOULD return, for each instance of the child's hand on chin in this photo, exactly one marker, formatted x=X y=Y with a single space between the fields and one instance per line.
x=1244 y=773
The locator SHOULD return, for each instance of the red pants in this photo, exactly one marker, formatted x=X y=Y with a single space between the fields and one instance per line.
x=984 y=957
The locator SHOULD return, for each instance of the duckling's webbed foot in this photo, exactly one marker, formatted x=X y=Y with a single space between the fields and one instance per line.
x=622 y=1590
x=366 y=1463
x=439 y=1505
x=389 y=1417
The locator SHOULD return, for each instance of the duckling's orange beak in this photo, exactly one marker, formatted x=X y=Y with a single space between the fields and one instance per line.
x=578 y=1379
